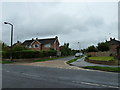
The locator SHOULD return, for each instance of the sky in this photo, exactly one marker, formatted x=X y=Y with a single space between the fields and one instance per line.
x=85 y=22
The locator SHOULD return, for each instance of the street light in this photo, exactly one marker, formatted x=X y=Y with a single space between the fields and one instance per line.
x=11 y=37
x=79 y=45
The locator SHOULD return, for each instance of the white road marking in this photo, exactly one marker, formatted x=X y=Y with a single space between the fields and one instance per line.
x=95 y=84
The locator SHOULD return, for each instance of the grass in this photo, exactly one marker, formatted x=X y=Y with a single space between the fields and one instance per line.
x=5 y=62
x=111 y=69
x=102 y=58
x=72 y=60
x=47 y=59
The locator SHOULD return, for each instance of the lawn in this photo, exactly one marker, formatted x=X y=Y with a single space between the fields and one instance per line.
x=70 y=61
x=112 y=69
x=109 y=58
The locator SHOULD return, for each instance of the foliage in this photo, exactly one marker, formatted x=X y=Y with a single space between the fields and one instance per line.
x=18 y=48
x=102 y=58
x=92 y=49
x=25 y=54
x=65 y=50
x=103 y=46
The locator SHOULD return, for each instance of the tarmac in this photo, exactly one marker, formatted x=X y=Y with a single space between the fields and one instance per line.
x=82 y=63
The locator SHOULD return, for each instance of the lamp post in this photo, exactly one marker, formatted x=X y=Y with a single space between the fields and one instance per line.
x=11 y=38
x=79 y=45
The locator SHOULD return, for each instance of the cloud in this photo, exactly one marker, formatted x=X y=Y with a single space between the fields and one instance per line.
x=70 y=21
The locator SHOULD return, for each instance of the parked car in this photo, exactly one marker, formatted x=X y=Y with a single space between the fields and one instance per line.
x=78 y=54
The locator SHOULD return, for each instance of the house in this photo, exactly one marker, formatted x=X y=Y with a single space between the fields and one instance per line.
x=114 y=46
x=42 y=44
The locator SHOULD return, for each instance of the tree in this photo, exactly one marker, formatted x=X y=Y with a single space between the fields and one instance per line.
x=19 y=48
x=91 y=49
x=65 y=50
x=103 y=46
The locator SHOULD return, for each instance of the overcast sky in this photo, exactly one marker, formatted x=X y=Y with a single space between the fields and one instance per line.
x=87 y=23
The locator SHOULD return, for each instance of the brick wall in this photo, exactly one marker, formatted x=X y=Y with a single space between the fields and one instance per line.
x=39 y=47
x=99 y=53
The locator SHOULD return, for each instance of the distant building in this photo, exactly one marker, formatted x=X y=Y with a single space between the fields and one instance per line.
x=114 y=46
x=42 y=44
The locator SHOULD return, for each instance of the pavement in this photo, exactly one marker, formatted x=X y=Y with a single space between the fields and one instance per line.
x=26 y=76
x=57 y=63
x=82 y=63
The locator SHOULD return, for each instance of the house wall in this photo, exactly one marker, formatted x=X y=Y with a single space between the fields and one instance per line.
x=55 y=46
x=113 y=49
x=39 y=48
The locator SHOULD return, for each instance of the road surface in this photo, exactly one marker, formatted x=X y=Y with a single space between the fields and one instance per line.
x=21 y=76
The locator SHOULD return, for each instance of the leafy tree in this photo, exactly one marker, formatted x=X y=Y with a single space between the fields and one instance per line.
x=19 y=48
x=103 y=46
x=91 y=49
x=65 y=50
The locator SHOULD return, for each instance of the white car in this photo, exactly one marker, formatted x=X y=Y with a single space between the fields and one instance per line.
x=78 y=54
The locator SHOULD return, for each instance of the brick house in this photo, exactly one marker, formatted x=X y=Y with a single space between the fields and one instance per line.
x=114 y=49
x=114 y=46
x=42 y=44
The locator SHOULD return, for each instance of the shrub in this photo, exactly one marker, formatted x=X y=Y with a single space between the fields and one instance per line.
x=26 y=54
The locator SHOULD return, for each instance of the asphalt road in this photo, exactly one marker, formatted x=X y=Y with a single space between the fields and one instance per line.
x=66 y=58
x=20 y=76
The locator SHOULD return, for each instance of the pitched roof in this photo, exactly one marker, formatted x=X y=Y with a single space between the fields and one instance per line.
x=114 y=42
x=27 y=42
x=46 y=41
x=42 y=41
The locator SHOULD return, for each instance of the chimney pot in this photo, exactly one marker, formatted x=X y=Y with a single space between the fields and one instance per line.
x=36 y=38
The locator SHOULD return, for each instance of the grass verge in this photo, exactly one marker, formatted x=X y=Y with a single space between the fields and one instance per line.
x=102 y=58
x=5 y=62
x=73 y=60
x=47 y=59
x=111 y=69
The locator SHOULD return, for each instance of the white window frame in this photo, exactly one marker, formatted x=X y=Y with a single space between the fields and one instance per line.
x=47 y=45
x=37 y=46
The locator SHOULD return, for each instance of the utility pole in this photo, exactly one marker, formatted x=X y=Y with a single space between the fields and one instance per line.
x=11 y=56
x=79 y=46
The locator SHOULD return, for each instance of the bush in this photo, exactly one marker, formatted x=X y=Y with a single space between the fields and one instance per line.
x=89 y=55
x=26 y=54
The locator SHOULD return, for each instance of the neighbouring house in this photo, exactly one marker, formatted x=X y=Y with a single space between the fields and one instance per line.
x=114 y=46
x=114 y=49
x=42 y=44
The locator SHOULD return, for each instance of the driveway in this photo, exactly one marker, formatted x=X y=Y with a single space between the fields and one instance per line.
x=58 y=63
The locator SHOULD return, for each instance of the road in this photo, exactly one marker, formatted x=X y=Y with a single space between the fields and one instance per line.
x=21 y=76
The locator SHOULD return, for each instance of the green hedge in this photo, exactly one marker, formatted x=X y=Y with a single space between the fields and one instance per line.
x=26 y=54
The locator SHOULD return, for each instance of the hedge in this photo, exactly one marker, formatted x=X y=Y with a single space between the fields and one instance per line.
x=26 y=54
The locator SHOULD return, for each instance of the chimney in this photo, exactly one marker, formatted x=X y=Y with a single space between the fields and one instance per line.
x=110 y=39
x=36 y=38
x=18 y=41
x=56 y=37
x=114 y=39
x=32 y=38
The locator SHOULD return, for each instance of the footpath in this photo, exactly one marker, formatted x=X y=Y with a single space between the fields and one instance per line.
x=82 y=63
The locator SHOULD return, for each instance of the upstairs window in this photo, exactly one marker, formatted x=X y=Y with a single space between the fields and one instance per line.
x=47 y=45
x=36 y=46
x=30 y=47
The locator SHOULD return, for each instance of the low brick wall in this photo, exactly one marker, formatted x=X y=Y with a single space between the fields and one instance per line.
x=100 y=53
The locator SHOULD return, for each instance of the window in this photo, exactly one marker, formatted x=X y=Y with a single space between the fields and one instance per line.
x=47 y=45
x=30 y=47
x=36 y=46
